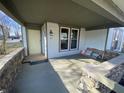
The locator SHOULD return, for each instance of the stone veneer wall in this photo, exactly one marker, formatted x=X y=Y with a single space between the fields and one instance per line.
x=116 y=74
x=9 y=67
x=87 y=81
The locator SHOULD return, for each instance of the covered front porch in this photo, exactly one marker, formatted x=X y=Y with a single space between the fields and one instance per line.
x=73 y=26
x=59 y=30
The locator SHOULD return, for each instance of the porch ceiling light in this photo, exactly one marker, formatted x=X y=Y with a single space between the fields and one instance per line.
x=51 y=33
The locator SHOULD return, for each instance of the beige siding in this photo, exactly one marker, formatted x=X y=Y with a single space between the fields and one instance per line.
x=96 y=39
x=34 y=43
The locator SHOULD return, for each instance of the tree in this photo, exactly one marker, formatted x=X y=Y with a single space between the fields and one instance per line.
x=6 y=23
x=4 y=37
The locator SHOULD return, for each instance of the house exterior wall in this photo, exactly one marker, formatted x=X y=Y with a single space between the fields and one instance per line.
x=82 y=39
x=34 y=43
x=96 y=39
x=53 y=42
x=44 y=39
x=50 y=44
x=109 y=41
x=87 y=39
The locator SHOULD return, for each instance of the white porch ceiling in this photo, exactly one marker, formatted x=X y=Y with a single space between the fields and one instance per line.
x=119 y=3
x=64 y=12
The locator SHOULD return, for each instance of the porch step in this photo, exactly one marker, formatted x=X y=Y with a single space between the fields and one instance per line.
x=35 y=59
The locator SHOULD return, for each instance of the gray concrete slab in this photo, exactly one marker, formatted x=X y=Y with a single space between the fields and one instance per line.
x=60 y=75
x=39 y=78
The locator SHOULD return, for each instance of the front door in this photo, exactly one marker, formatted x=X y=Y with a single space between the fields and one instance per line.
x=34 y=42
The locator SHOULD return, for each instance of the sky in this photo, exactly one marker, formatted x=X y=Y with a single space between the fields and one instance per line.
x=9 y=22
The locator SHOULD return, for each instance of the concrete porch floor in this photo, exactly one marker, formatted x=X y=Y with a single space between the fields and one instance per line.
x=57 y=76
x=39 y=78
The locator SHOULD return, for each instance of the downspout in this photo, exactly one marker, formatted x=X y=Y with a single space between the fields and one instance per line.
x=105 y=47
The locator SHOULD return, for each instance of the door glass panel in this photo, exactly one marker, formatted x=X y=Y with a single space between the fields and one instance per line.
x=74 y=35
x=64 y=38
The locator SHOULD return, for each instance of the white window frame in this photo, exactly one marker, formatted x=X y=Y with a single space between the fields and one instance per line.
x=77 y=38
x=68 y=39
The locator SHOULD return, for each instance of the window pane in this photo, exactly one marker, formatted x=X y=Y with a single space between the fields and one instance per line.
x=64 y=44
x=73 y=44
x=64 y=38
x=74 y=34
